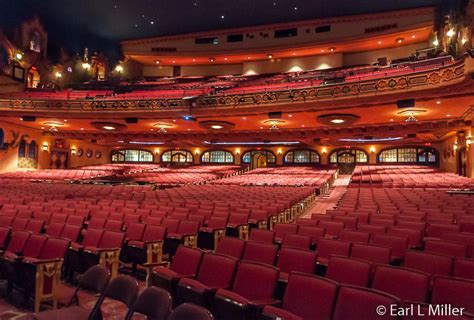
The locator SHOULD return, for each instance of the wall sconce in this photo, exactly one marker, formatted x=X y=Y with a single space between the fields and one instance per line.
x=119 y=69
x=73 y=150
x=279 y=151
x=86 y=66
x=324 y=150
x=372 y=149
x=468 y=141
x=19 y=55
x=45 y=146
x=157 y=150
x=58 y=75
x=237 y=151
x=455 y=146
x=197 y=151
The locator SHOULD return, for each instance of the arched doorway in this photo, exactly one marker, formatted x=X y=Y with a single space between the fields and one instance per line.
x=347 y=158
x=33 y=80
x=259 y=160
x=462 y=162
x=346 y=162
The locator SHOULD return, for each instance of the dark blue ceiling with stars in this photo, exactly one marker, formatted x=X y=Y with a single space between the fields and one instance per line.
x=101 y=24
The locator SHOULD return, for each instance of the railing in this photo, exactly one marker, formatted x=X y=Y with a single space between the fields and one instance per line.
x=444 y=75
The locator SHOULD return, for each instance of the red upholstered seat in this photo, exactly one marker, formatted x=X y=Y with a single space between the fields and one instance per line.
x=447 y=248
x=293 y=259
x=216 y=272
x=260 y=235
x=299 y=300
x=233 y=247
x=354 y=236
x=296 y=241
x=454 y=291
x=372 y=253
x=260 y=252
x=282 y=228
x=349 y=270
x=363 y=303
x=464 y=268
x=185 y=264
x=407 y=284
x=433 y=264
x=253 y=288
x=328 y=247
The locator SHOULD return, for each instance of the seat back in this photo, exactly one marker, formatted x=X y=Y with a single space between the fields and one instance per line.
x=238 y=218
x=111 y=239
x=315 y=233
x=216 y=270
x=399 y=245
x=113 y=225
x=282 y=228
x=373 y=253
x=92 y=237
x=34 y=245
x=188 y=227
x=326 y=247
x=296 y=241
x=97 y=223
x=293 y=259
x=55 y=248
x=233 y=247
x=190 y=311
x=354 y=236
x=55 y=229
x=464 y=268
x=300 y=294
x=407 y=284
x=19 y=223
x=171 y=225
x=4 y=234
x=255 y=281
x=217 y=222
x=433 y=264
x=35 y=225
x=447 y=248
x=260 y=235
x=154 y=233
x=186 y=261
x=454 y=291
x=349 y=270
x=71 y=232
x=362 y=302
x=18 y=241
x=260 y=252
x=135 y=231
x=155 y=303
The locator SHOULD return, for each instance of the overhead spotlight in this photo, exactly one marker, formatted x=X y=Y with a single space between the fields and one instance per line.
x=212 y=59
x=332 y=49
x=157 y=61
x=399 y=40
x=270 y=56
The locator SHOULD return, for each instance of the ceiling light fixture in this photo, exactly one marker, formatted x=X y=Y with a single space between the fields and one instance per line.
x=252 y=143
x=361 y=140
x=108 y=128
x=217 y=127
x=337 y=121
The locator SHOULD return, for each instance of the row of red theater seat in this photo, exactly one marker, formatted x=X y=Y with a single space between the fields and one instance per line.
x=192 y=277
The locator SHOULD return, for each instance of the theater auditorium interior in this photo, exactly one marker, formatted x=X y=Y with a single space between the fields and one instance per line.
x=243 y=160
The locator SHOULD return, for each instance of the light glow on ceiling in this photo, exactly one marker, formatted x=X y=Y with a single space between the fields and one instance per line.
x=108 y=128
x=337 y=121
x=371 y=140
x=251 y=143
x=217 y=127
